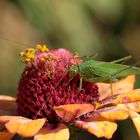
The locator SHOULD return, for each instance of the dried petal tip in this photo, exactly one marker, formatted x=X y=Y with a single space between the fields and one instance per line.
x=45 y=83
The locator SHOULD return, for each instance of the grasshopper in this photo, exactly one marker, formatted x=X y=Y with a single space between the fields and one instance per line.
x=100 y=71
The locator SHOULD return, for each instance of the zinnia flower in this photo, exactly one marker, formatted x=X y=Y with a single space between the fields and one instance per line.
x=49 y=101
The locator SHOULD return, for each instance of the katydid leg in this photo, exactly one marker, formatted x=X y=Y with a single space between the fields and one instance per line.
x=80 y=84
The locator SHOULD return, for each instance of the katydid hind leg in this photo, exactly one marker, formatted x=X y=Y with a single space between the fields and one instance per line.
x=81 y=79
x=80 y=84
x=121 y=59
x=110 y=79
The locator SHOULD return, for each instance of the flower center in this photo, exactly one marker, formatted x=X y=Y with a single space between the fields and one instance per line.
x=45 y=83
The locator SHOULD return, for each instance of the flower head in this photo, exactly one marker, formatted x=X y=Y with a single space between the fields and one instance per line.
x=45 y=83
x=49 y=100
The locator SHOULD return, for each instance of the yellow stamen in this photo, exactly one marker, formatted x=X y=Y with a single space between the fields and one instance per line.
x=22 y=54
x=97 y=105
x=28 y=55
x=43 y=48
x=43 y=58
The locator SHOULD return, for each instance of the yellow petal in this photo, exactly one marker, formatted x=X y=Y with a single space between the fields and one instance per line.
x=7 y=105
x=121 y=86
x=110 y=114
x=134 y=106
x=4 y=135
x=132 y=96
x=98 y=128
x=136 y=121
x=61 y=132
x=5 y=119
x=22 y=126
x=132 y=114
x=8 y=98
x=71 y=111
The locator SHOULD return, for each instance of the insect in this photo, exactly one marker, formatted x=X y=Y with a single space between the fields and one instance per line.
x=100 y=71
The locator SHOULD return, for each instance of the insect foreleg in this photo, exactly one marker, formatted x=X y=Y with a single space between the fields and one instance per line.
x=61 y=80
x=69 y=81
x=81 y=79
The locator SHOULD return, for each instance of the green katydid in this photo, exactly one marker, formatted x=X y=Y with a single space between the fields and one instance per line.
x=99 y=71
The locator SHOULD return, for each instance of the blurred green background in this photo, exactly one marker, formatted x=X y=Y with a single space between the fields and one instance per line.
x=110 y=28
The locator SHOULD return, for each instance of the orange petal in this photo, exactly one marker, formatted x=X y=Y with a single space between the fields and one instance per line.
x=22 y=126
x=98 y=128
x=4 y=135
x=25 y=128
x=7 y=105
x=71 y=111
x=121 y=86
x=5 y=119
x=134 y=106
x=110 y=114
x=8 y=98
x=136 y=121
x=61 y=132
x=134 y=116
x=132 y=96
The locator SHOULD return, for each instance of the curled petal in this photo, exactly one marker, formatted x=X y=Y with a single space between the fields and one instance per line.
x=110 y=114
x=22 y=126
x=98 y=128
x=61 y=132
x=4 y=135
x=71 y=111
x=121 y=86
x=7 y=105
x=132 y=96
